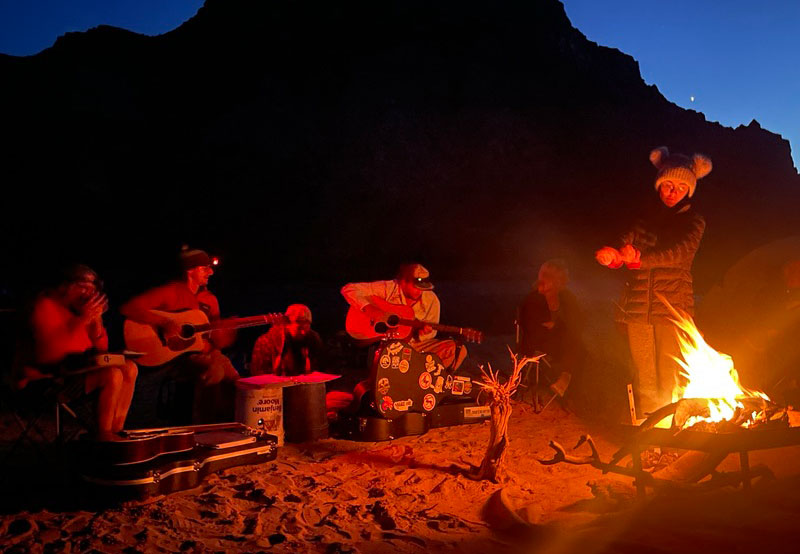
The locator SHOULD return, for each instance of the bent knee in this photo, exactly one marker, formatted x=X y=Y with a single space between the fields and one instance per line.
x=130 y=370
x=112 y=377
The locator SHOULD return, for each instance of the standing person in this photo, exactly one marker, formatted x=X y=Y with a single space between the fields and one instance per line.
x=212 y=371
x=66 y=325
x=659 y=250
x=289 y=349
x=551 y=321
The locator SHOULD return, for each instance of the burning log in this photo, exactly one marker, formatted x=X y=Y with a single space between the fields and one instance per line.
x=714 y=417
x=500 y=407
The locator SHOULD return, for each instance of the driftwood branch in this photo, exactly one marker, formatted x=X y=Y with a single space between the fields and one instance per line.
x=561 y=454
x=500 y=406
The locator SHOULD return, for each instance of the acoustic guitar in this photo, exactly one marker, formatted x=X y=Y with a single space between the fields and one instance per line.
x=398 y=323
x=194 y=326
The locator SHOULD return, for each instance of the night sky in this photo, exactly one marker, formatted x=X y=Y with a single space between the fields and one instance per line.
x=733 y=63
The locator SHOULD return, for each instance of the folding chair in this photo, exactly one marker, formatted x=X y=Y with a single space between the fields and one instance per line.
x=557 y=386
x=45 y=418
x=534 y=376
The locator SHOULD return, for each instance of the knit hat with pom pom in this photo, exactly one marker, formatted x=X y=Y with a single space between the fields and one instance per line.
x=680 y=168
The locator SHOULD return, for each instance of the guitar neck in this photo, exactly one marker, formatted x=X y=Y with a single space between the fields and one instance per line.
x=417 y=324
x=241 y=322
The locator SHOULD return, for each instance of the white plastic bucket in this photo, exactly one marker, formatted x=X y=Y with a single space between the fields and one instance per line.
x=261 y=407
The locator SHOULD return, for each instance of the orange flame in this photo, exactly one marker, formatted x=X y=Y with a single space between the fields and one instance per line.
x=709 y=374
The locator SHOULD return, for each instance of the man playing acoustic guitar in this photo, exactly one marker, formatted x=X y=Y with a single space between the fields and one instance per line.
x=411 y=288
x=212 y=369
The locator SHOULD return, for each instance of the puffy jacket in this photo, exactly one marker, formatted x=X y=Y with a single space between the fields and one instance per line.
x=668 y=242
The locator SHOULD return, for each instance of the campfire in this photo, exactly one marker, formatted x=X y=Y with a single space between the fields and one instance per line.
x=712 y=415
x=709 y=391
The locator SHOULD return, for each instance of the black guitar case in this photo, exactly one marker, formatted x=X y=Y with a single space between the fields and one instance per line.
x=169 y=472
x=411 y=392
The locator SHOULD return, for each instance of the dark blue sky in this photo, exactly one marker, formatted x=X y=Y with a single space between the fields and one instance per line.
x=734 y=61
x=738 y=59
x=29 y=26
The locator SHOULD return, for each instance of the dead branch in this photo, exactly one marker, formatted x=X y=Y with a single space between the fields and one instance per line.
x=562 y=456
x=500 y=407
x=652 y=420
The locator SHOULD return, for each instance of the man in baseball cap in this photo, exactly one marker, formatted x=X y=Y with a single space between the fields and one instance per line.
x=411 y=287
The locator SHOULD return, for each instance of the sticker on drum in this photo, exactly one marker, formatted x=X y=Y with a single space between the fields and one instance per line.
x=425 y=380
x=429 y=402
x=395 y=347
x=386 y=403
x=430 y=365
x=403 y=405
x=403 y=366
x=386 y=361
x=383 y=386
x=395 y=362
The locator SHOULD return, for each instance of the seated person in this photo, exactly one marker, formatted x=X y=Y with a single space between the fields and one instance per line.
x=212 y=371
x=551 y=321
x=66 y=325
x=292 y=348
x=411 y=287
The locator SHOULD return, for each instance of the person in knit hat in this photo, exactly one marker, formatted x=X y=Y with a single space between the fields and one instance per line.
x=659 y=250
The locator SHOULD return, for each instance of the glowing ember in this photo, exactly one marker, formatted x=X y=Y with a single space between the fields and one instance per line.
x=709 y=374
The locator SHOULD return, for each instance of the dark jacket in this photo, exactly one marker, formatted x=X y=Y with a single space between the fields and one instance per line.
x=563 y=343
x=668 y=239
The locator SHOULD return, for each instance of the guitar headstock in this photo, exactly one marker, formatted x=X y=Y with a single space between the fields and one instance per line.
x=275 y=318
x=472 y=335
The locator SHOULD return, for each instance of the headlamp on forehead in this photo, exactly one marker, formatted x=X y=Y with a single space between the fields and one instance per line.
x=214 y=261
x=415 y=274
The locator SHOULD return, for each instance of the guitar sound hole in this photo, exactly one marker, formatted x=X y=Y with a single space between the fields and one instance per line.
x=187 y=331
x=393 y=320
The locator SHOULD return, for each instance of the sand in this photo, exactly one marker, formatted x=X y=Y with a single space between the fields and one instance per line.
x=408 y=495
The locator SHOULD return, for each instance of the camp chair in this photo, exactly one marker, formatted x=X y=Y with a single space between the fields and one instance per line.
x=530 y=387
x=534 y=376
x=41 y=418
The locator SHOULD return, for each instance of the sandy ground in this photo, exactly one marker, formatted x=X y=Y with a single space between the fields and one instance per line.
x=405 y=496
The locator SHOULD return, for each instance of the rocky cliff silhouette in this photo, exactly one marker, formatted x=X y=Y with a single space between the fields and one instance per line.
x=327 y=140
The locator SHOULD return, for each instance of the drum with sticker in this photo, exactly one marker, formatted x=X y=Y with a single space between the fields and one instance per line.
x=403 y=377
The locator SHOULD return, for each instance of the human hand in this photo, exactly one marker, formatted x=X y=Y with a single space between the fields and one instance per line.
x=629 y=254
x=607 y=256
x=94 y=307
